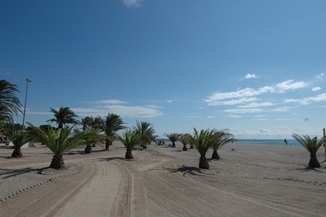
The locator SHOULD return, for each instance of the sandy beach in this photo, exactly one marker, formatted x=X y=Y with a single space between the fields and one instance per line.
x=252 y=180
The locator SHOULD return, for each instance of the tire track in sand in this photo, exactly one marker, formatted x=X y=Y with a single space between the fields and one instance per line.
x=102 y=196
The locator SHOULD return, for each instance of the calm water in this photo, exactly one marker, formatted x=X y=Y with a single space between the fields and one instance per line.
x=268 y=141
x=260 y=141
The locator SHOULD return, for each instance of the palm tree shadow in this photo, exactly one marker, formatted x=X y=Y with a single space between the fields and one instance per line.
x=114 y=158
x=185 y=170
x=307 y=169
x=17 y=172
x=74 y=152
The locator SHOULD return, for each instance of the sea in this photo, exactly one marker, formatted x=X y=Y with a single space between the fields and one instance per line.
x=260 y=141
x=268 y=141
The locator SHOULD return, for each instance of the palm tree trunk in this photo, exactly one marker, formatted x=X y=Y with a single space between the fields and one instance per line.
x=173 y=145
x=185 y=148
x=313 y=162
x=203 y=163
x=129 y=154
x=57 y=162
x=107 y=144
x=88 y=149
x=215 y=155
x=144 y=146
x=17 y=153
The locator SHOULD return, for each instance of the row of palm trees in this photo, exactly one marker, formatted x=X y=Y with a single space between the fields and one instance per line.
x=203 y=140
x=97 y=130
x=61 y=140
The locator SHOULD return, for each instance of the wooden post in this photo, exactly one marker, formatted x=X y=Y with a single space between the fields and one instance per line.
x=324 y=142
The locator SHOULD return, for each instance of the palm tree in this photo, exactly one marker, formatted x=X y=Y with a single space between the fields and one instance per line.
x=129 y=139
x=9 y=103
x=59 y=141
x=18 y=138
x=95 y=137
x=86 y=122
x=312 y=146
x=93 y=123
x=219 y=138
x=112 y=124
x=173 y=137
x=146 y=133
x=64 y=116
x=184 y=140
x=202 y=142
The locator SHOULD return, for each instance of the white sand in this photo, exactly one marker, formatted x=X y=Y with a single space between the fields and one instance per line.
x=253 y=180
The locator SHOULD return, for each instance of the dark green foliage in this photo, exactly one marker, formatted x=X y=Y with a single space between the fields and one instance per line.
x=64 y=116
x=173 y=137
x=145 y=133
x=129 y=139
x=311 y=145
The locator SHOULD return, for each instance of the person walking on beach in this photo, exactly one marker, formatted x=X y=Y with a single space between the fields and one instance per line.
x=286 y=142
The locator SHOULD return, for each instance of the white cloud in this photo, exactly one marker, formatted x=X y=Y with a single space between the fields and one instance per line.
x=120 y=108
x=255 y=105
x=39 y=113
x=111 y=102
x=170 y=100
x=132 y=3
x=248 y=76
x=320 y=75
x=282 y=109
x=242 y=93
x=265 y=131
x=247 y=95
x=316 y=89
x=235 y=101
x=308 y=100
x=289 y=85
x=234 y=116
x=242 y=111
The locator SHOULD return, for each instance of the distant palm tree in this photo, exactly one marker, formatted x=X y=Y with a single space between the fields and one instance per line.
x=146 y=133
x=90 y=122
x=18 y=138
x=59 y=141
x=219 y=139
x=173 y=137
x=64 y=116
x=9 y=102
x=184 y=140
x=202 y=142
x=129 y=139
x=86 y=122
x=312 y=146
x=111 y=125
x=96 y=136
x=93 y=123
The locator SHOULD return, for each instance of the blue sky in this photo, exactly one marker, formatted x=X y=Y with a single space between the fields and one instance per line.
x=256 y=67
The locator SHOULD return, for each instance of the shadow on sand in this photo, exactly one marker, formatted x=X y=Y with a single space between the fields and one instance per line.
x=17 y=172
x=307 y=169
x=184 y=170
x=114 y=158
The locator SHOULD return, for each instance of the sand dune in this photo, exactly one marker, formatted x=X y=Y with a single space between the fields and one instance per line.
x=253 y=180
